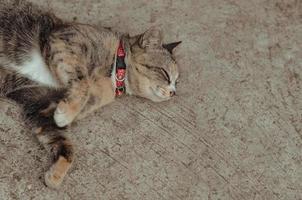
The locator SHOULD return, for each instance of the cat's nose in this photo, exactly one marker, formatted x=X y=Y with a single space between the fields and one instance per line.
x=172 y=93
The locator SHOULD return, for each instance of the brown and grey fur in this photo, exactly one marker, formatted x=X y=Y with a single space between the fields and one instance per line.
x=79 y=60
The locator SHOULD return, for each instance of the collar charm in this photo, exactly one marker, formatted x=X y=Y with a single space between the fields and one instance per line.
x=120 y=73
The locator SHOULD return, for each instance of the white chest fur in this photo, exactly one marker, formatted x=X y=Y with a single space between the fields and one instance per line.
x=36 y=69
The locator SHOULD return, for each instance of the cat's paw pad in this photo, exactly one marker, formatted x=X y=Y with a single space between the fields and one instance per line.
x=62 y=116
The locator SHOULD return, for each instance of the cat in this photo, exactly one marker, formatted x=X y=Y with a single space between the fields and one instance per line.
x=61 y=71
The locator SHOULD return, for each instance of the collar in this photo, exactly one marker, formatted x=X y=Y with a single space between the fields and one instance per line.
x=120 y=70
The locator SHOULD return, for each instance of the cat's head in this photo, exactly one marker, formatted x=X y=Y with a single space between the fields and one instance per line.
x=153 y=70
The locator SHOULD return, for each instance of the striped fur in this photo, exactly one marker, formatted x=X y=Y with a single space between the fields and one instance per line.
x=39 y=103
x=60 y=71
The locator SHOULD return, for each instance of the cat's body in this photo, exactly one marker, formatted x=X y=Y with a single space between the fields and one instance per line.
x=62 y=71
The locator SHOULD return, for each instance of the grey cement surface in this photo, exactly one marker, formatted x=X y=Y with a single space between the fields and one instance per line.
x=233 y=132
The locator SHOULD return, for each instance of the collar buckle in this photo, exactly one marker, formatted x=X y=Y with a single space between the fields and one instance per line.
x=120 y=72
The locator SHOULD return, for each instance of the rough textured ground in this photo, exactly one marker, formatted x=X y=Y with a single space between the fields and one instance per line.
x=233 y=132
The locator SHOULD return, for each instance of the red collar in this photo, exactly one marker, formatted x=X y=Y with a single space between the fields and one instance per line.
x=120 y=71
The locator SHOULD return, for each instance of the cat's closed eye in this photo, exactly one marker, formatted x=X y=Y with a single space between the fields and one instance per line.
x=166 y=75
x=161 y=72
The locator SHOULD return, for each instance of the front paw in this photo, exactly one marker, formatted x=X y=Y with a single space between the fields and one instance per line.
x=63 y=116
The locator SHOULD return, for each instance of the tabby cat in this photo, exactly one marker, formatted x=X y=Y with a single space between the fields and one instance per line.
x=62 y=71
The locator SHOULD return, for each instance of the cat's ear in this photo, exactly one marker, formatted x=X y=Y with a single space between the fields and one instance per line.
x=152 y=38
x=171 y=46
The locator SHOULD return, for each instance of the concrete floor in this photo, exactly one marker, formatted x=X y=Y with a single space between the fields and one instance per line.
x=233 y=132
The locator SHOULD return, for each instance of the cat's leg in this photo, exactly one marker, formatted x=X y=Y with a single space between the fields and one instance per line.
x=62 y=152
x=71 y=106
x=73 y=74
x=101 y=94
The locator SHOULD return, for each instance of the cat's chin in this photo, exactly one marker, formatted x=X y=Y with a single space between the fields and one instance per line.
x=157 y=95
x=152 y=95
